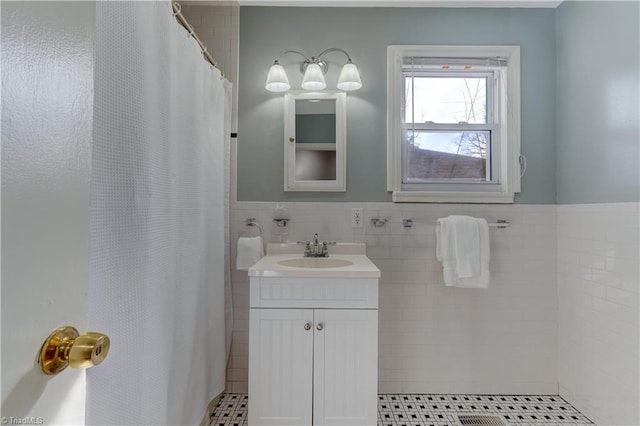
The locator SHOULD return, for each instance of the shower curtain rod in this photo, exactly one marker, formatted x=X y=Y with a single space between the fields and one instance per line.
x=177 y=12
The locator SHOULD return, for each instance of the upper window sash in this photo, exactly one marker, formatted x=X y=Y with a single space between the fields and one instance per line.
x=492 y=85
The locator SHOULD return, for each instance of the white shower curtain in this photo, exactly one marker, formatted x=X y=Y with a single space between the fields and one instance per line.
x=228 y=295
x=157 y=283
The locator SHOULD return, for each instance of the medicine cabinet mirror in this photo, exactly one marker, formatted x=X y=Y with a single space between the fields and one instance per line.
x=315 y=141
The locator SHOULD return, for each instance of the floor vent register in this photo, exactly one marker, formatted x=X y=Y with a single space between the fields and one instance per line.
x=479 y=420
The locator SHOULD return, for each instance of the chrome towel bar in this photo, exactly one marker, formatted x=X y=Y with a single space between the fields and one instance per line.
x=501 y=224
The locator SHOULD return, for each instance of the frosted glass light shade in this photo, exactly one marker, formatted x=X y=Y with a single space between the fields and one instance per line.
x=277 y=80
x=313 y=78
x=349 y=78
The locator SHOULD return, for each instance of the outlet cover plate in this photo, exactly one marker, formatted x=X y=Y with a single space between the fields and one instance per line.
x=357 y=217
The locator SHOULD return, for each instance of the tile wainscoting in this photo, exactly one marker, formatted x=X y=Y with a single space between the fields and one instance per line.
x=432 y=338
x=598 y=278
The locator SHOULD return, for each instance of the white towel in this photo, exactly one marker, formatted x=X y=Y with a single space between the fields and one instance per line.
x=462 y=246
x=250 y=250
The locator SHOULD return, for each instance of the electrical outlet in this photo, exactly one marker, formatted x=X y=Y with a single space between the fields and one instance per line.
x=356 y=218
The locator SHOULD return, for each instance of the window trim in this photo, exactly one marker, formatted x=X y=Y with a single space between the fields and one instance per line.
x=509 y=150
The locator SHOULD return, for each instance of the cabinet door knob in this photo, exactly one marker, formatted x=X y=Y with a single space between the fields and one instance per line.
x=320 y=326
x=307 y=326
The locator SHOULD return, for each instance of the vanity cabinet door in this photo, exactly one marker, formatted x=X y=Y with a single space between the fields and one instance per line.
x=280 y=367
x=345 y=367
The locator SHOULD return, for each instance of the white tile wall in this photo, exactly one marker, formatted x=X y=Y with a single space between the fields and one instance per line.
x=598 y=292
x=433 y=338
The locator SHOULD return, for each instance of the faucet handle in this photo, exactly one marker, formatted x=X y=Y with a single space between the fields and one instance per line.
x=325 y=249
x=307 y=247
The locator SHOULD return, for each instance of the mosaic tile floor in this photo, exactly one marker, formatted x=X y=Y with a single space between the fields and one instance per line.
x=439 y=410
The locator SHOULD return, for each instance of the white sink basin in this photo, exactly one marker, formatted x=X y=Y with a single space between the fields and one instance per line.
x=346 y=260
x=315 y=262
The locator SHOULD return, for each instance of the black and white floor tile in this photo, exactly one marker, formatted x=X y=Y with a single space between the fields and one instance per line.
x=231 y=410
x=439 y=410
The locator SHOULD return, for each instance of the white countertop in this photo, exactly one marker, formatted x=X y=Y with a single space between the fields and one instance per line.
x=361 y=266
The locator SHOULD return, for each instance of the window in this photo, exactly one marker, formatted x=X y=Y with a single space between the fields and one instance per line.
x=453 y=123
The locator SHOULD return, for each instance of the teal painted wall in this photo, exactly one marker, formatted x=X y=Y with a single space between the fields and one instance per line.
x=598 y=120
x=265 y=32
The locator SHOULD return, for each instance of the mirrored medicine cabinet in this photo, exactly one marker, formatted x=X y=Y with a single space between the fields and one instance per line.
x=315 y=141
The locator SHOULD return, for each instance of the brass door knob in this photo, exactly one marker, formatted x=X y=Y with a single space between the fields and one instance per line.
x=65 y=347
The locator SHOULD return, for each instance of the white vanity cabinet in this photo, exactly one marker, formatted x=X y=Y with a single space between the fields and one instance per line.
x=313 y=351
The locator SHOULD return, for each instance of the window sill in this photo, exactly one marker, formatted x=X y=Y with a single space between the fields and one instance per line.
x=452 y=197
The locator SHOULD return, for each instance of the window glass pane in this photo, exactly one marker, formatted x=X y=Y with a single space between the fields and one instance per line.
x=446 y=155
x=446 y=100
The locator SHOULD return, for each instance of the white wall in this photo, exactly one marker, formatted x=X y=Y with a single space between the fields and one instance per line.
x=432 y=338
x=598 y=159
x=47 y=115
x=598 y=310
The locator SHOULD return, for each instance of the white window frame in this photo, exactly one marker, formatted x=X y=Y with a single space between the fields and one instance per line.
x=493 y=147
x=507 y=133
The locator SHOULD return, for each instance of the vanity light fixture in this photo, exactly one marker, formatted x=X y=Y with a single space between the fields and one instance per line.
x=313 y=70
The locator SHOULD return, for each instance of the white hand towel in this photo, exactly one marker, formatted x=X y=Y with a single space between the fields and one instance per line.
x=462 y=246
x=250 y=250
x=445 y=249
x=481 y=278
x=466 y=239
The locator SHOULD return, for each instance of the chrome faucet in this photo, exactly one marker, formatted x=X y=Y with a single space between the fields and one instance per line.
x=317 y=249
